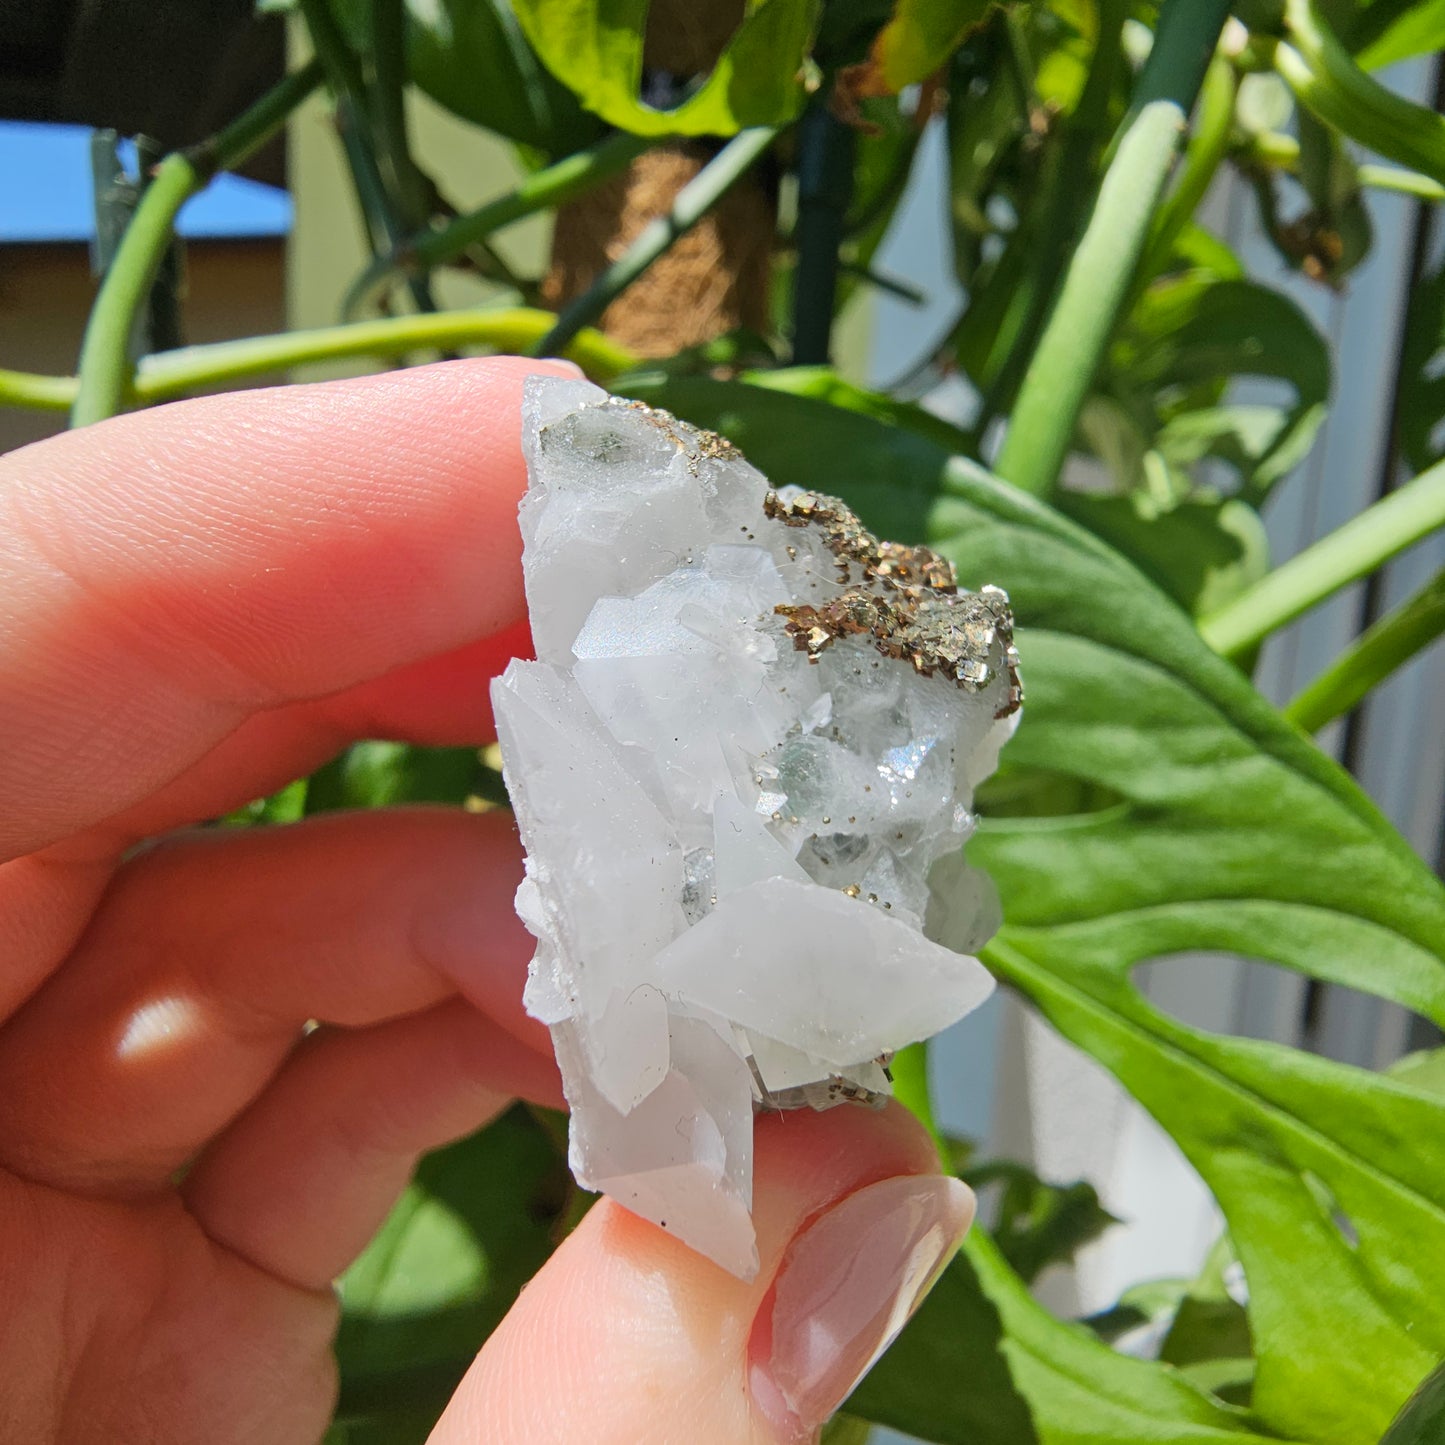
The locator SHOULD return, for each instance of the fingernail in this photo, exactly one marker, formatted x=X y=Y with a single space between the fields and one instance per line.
x=846 y=1287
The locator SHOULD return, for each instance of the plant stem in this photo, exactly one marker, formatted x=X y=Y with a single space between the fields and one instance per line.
x=1347 y=554
x=388 y=111
x=1282 y=152
x=175 y=373
x=910 y=1087
x=104 y=368
x=692 y=203
x=194 y=368
x=825 y=190
x=378 y=205
x=903 y=290
x=1325 y=79
x=1055 y=218
x=1103 y=266
x=1372 y=657
x=554 y=186
x=1207 y=147
x=27 y=390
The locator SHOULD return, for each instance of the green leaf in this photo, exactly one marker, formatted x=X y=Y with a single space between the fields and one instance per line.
x=376 y=774
x=920 y=36
x=1187 y=337
x=472 y=1228
x=1422 y=1421
x=983 y=1363
x=1424 y=1069
x=1202 y=552
x=471 y=57
x=947 y=1378
x=1234 y=834
x=1390 y=30
x=1209 y=1338
x=285 y=805
x=1038 y=1224
x=594 y=47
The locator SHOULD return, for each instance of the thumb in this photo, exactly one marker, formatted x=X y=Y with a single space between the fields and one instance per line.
x=626 y=1335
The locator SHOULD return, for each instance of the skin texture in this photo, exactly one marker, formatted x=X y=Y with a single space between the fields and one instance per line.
x=198 y=604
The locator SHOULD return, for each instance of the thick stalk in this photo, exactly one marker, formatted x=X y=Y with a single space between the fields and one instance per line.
x=825 y=190
x=1208 y=145
x=1097 y=282
x=1372 y=657
x=693 y=202
x=1347 y=554
x=104 y=369
x=557 y=184
x=1325 y=79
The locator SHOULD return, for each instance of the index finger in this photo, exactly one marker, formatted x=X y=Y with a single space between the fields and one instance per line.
x=165 y=575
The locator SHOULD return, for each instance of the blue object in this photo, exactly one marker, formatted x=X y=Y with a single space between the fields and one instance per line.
x=45 y=192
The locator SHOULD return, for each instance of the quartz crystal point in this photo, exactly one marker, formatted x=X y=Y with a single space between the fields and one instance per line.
x=743 y=768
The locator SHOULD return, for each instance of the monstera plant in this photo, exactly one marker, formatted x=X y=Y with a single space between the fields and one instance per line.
x=1154 y=802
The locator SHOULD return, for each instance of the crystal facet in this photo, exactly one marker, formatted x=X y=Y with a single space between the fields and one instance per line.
x=743 y=768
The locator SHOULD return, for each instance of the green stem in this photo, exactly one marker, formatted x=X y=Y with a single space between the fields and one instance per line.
x=882 y=281
x=388 y=110
x=1372 y=657
x=825 y=189
x=554 y=186
x=175 y=373
x=1282 y=153
x=693 y=202
x=1208 y=145
x=376 y=201
x=194 y=368
x=1053 y=221
x=104 y=369
x=26 y=389
x=910 y=1087
x=1325 y=79
x=1347 y=554
x=1098 y=279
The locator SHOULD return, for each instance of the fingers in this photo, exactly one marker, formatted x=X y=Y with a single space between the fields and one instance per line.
x=301 y=1181
x=628 y=1336
x=441 y=701
x=165 y=575
x=208 y=956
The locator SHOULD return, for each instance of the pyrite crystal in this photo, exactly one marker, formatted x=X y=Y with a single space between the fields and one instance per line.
x=743 y=768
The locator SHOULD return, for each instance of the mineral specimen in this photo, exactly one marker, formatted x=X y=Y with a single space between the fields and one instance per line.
x=743 y=767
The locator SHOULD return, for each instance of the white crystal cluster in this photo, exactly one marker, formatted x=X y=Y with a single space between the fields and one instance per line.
x=743 y=825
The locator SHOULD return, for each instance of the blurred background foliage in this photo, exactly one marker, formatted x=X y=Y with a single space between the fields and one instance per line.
x=719 y=177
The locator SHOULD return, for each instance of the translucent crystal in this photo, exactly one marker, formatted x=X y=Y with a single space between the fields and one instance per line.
x=743 y=768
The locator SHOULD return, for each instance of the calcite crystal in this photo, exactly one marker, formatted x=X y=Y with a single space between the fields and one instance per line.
x=743 y=767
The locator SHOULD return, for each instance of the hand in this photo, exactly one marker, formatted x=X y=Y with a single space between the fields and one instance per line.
x=198 y=604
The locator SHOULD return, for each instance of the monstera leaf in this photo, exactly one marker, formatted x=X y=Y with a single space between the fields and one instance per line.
x=1232 y=834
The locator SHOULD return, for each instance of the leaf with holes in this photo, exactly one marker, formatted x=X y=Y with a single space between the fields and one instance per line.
x=594 y=47
x=1233 y=833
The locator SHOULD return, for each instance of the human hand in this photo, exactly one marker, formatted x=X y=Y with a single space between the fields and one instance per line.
x=198 y=604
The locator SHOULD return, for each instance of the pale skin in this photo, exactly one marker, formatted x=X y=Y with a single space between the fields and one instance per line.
x=198 y=604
